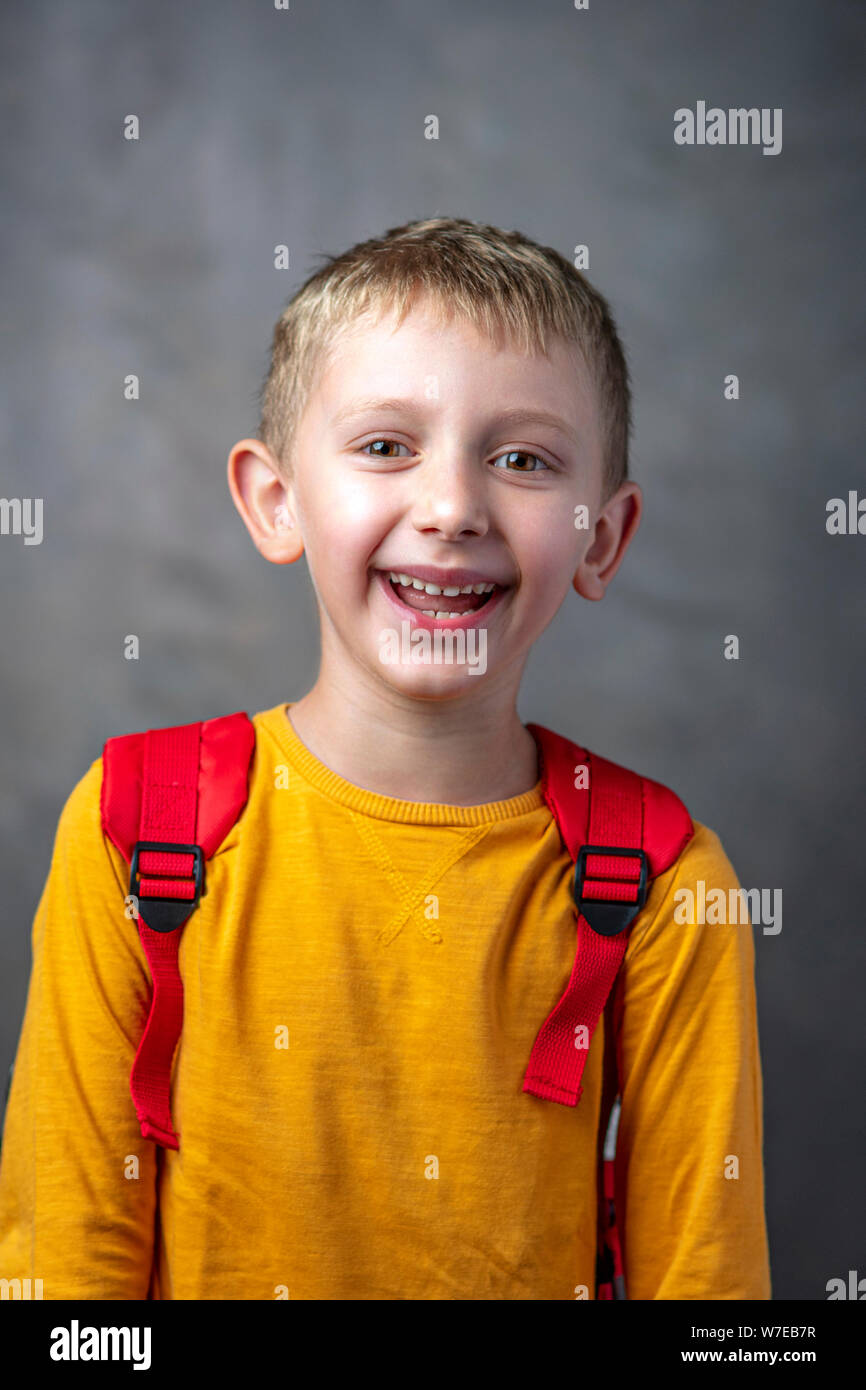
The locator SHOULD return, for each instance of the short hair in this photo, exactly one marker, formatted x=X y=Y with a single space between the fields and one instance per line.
x=501 y=281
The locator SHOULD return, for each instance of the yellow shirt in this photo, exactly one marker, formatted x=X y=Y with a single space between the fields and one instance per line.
x=363 y=983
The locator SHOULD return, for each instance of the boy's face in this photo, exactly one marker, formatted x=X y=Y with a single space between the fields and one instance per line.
x=422 y=453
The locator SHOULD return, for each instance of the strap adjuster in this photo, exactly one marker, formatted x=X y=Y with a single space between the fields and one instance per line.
x=609 y=916
x=167 y=914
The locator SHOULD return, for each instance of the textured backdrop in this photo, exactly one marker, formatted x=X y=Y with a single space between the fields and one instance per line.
x=306 y=128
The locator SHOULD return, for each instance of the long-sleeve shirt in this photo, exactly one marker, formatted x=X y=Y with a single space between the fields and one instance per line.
x=363 y=983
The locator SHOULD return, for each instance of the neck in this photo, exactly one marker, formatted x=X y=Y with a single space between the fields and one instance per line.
x=451 y=752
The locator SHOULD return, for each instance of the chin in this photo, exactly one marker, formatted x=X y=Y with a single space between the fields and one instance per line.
x=438 y=685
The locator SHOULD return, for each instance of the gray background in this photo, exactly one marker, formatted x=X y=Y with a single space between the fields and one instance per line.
x=306 y=127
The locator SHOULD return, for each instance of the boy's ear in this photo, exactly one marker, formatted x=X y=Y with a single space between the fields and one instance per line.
x=617 y=523
x=265 y=501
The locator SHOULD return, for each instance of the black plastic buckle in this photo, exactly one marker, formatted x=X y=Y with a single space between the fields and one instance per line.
x=609 y=918
x=167 y=914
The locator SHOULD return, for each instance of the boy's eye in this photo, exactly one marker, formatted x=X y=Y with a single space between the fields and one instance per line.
x=379 y=454
x=513 y=454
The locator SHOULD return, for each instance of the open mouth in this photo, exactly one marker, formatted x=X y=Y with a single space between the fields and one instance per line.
x=439 y=603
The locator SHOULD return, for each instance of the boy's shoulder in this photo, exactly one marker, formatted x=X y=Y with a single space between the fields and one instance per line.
x=622 y=828
x=672 y=922
x=80 y=814
x=183 y=785
x=105 y=804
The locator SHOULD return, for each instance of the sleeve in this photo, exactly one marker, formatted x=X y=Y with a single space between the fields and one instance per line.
x=689 y=1161
x=77 y=1180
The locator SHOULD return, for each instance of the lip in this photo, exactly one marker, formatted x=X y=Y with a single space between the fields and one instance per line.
x=467 y=620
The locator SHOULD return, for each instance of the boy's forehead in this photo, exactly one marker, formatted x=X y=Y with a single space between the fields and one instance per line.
x=374 y=359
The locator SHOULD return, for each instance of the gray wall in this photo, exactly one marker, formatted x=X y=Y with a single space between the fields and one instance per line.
x=306 y=127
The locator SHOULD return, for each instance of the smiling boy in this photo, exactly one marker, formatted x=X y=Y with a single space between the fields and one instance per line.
x=445 y=405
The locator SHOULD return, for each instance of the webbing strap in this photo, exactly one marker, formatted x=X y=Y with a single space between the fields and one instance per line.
x=615 y=819
x=168 y=814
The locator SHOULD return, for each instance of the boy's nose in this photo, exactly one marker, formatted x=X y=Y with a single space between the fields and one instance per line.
x=450 y=501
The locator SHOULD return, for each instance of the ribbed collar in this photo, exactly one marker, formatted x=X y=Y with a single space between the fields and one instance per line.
x=276 y=721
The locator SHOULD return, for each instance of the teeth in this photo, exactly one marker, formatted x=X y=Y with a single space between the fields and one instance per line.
x=434 y=589
x=442 y=613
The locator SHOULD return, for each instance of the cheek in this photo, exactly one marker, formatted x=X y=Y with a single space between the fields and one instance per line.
x=550 y=551
x=344 y=519
x=354 y=502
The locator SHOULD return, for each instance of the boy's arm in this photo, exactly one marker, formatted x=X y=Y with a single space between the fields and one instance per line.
x=77 y=1180
x=689 y=1163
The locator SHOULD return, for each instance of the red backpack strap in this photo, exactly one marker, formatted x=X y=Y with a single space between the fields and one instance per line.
x=169 y=798
x=609 y=1270
x=621 y=830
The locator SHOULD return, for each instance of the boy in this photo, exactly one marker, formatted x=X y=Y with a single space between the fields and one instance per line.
x=388 y=922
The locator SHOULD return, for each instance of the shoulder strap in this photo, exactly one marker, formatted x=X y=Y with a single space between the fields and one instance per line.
x=169 y=798
x=621 y=830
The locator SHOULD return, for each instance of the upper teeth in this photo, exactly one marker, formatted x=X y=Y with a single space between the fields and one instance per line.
x=408 y=579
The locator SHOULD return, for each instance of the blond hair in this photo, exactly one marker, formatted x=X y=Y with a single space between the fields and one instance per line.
x=502 y=282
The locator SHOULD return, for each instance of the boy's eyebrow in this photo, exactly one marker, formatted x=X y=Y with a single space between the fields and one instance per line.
x=360 y=407
x=516 y=415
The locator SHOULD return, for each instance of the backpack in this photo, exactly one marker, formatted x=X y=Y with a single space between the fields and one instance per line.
x=170 y=796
